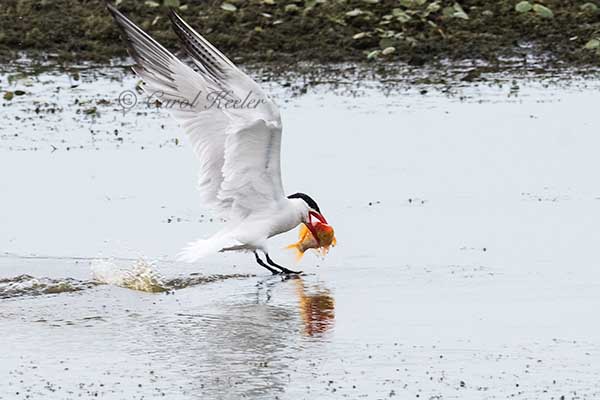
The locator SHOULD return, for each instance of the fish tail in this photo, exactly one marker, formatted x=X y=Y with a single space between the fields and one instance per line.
x=299 y=253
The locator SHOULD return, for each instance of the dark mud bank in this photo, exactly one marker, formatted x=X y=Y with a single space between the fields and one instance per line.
x=413 y=31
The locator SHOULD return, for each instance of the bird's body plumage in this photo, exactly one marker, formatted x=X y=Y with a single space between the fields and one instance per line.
x=250 y=233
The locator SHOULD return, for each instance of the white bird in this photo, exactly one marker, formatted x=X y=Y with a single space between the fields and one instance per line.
x=235 y=130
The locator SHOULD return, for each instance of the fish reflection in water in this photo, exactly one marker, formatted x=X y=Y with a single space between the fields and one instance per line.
x=316 y=305
x=317 y=308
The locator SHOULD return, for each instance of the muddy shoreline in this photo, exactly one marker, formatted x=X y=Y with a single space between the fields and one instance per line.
x=416 y=32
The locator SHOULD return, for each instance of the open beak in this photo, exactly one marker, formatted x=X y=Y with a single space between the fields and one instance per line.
x=314 y=214
x=312 y=223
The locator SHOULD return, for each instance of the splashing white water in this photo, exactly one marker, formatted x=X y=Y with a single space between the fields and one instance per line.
x=140 y=276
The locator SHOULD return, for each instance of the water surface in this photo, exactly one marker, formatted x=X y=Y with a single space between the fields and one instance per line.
x=466 y=218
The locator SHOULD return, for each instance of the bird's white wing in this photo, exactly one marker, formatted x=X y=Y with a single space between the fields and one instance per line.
x=251 y=172
x=175 y=84
x=239 y=147
x=252 y=177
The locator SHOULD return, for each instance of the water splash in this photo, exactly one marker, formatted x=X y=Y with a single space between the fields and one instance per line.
x=141 y=276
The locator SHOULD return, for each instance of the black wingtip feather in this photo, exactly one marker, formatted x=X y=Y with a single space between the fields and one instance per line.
x=147 y=52
x=197 y=47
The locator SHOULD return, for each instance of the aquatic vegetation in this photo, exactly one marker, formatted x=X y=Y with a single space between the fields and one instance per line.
x=593 y=44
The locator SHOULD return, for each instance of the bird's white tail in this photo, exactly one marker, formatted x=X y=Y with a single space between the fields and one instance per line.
x=204 y=247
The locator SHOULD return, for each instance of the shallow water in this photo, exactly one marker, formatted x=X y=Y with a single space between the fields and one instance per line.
x=466 y=218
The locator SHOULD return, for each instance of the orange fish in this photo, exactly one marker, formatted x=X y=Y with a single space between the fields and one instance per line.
x=325 y=239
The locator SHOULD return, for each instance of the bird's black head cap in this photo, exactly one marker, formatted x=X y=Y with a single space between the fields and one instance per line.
x=307 y=199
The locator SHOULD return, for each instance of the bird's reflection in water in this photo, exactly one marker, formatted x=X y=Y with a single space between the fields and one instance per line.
x=246 y=345
x=316 y=305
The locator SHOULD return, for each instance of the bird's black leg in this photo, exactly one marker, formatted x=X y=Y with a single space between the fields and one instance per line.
x=283 y=269
x=262 y=264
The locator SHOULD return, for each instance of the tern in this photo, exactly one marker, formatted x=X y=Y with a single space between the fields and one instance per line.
x=235 y=131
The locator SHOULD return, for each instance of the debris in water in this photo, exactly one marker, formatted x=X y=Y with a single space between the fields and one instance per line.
x=27 y=285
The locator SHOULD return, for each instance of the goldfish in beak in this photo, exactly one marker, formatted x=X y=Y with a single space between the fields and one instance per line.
x=314 y=234
x=314 y=219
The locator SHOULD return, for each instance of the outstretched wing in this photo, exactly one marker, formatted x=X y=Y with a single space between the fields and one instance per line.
x=234 y=128
x=219 y=69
